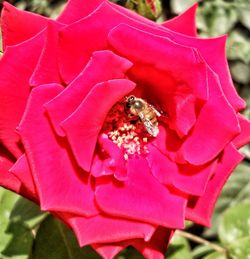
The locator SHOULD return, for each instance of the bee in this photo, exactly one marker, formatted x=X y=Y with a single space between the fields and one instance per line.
x=146 y=113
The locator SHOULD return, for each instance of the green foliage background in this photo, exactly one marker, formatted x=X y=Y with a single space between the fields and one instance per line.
x=26 y=232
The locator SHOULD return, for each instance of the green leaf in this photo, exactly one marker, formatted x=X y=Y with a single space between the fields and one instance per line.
x=7 y=201
x=238 y=47
x=240 y=249
x=236 y=190
x=240 y=72
x=20 y=243
x=55 y=241
x=215 y=255
x=27 y=212
x=235 y=224
x=179 y=6
x=129 y=253
x=15 y=238
x=215 y=18
x=179 y=248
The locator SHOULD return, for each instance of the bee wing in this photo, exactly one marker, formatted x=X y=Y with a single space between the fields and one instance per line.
x=155 y=111
x=150 y=127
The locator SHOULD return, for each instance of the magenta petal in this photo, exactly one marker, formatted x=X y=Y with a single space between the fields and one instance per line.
x=157 y=245
x=116 y=162
x=7 y=179
x=83 y=126
x=16 y=67
x=201 y=209
x=95 y=72
x=18 y=26
x=217 y=62
x=156 y=206
x=184 y=177
x=184 y=23
x=105 y=17
x=109 y=251
x=47 y=70
x=52 y=166
x=244 y=137
x=156 y=51
x=77 y=9
x=168 y=143
x=161 y=166
x=22 y=172
x=217 y=120
x=103 y=229
x=182 y=110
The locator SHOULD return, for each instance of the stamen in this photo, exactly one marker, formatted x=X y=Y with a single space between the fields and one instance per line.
x=130 y=136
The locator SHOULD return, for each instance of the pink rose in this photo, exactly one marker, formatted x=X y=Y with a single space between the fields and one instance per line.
x=71 y=141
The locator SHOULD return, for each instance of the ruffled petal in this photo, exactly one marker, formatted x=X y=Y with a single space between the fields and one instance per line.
x=69 y=189
x=200 y=209
x=114 y=164
x=157 y=51
x=244 y=137
x=22 y=172
x=83 y=126
x=47 y=70
x=216 y=126
x=103 y=65
x=18 y=26
x=7 y=179
x=157 y=246
x=109 y=251
x=185 y=177
x=77 y=9
x=156 y=207
x=103 y=19
x=217 y=62
x=168 y=143
x=97 y=229
x=16 y=67
x=184 y=23
x=161 y=166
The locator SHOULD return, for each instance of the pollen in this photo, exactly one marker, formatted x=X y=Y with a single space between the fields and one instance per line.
x=129 y=135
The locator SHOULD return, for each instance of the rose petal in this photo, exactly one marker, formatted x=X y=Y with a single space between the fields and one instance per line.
x=217 y=120
x=157 y=246
x=69 y=188
x=156 y=51
x=161 y=166
x=184 y=23
x=185 y=177
x=109 y=251
x=200 y=209
x=7 y=180
x=16 y=67
x=84 y=125
x=217 y=62
x=154 y=248
x=104 y=65
x=168 y=143
x=46 y=70
x=157 y=206
x=97 y=229
x=77 y=9
x=244 y=137
x=18 y=26
x=116 y=162
x=105 y=17
x=22 y=172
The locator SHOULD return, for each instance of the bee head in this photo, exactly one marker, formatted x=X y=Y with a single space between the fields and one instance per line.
x=129 y=101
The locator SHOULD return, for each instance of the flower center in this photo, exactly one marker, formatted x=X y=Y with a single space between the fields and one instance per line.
x=125 y=127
